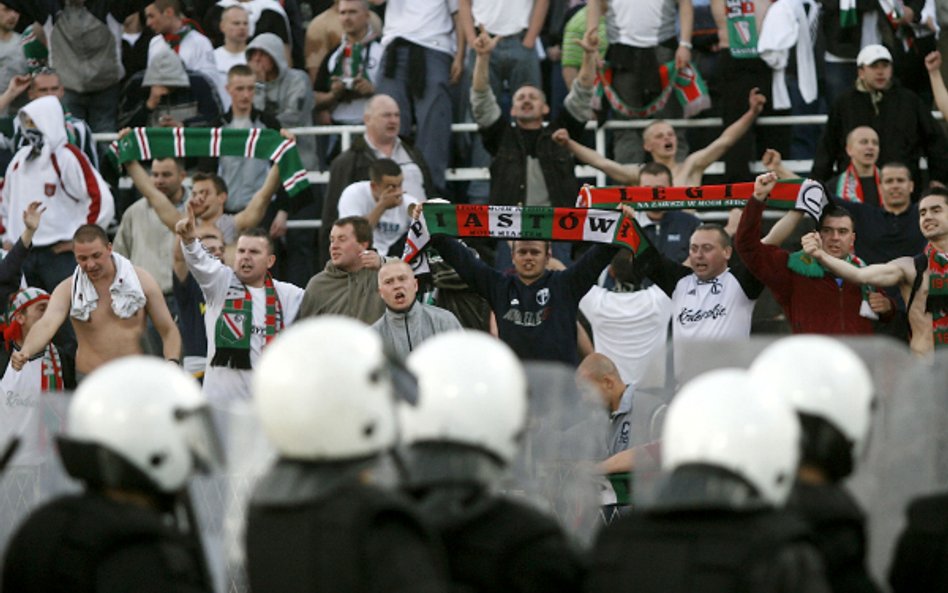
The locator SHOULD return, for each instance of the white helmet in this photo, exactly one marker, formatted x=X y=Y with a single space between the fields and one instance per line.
x=718 y=419
x=822 y=377
x=149 y=415
x=324 y=391
x=472 y=390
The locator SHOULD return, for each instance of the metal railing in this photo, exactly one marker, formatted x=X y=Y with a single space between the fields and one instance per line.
x=346 y=133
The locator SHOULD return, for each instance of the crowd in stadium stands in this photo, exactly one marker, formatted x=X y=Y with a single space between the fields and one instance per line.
x=179 y=241
x=531 y=74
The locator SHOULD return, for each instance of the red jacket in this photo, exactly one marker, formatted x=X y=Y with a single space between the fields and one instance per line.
x=813 y=305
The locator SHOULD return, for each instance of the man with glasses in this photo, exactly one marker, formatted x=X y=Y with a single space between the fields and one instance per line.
x=813 y=299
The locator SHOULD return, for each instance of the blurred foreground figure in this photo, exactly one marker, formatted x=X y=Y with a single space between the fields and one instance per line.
x=138 y=429
x=833 y=396
x=324 y=517
x=460 y=440
x=729 y=457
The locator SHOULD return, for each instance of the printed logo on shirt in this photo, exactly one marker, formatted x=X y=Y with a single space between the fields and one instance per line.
x=49 y=189
x=689 y=316
x=543 y=296
x=15 y=400
x=527 y=318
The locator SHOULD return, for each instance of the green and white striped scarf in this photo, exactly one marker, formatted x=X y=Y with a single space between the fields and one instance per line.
x=258 y=143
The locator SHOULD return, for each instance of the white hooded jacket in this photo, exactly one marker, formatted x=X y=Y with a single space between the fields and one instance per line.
x=59 y=176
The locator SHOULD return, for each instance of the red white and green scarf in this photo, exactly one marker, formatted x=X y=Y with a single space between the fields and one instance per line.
x=354 y=57
x=258 y=143
x=937 y=302
x=521 y=222
x=52 y=370
x=174 y=39
x=787 y=194
x=849 y=185
x=804 y=265
x=235 y=325
x=686 y=85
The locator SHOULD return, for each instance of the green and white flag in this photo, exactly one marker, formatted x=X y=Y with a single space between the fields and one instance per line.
x=257 y=143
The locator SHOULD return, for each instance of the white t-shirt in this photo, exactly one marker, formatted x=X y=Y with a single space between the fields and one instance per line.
x=426 y=22
x=502 y=17
x=630 y=328
x=717 y=309
x=357 y=200
x=352 y=112
x=224 y=61
x=20 y=412
x=414 y=183
x=641 y=23
x=195 y=51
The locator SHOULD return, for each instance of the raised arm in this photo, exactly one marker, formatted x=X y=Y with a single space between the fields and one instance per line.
x=933 y=63
x=159 y=202
x=44 y=330
x=256 y=208
x=700 y=160
x=624 y=174
x=686 y=21
x=587 y=72
x=484 y=105
x=888 y=274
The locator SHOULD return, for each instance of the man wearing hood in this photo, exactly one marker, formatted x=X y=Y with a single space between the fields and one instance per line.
x=166 y=94
x=51 y=170
x=406 y=323
x=286 y=95
x=904 y=123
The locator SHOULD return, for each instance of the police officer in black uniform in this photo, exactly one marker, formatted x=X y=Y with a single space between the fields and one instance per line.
x=729 y=457
x=834 y=399
x=137 y=429
x=458 y=443
x=325 y=518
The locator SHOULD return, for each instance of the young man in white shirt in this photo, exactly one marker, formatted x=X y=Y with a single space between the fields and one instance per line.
x=382 y=201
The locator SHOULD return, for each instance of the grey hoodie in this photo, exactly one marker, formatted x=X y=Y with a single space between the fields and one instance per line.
x=289 y=97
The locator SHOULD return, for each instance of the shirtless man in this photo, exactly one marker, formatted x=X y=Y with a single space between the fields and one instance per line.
x=104 y=335
x=660 y=141
x=927 y=334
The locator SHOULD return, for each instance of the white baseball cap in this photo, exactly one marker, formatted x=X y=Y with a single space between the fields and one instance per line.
x=871 y=54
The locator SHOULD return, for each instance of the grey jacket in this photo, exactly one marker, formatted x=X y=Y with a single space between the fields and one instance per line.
x=288 y=97
x=402 y=332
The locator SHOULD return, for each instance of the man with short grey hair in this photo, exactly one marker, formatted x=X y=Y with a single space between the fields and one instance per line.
x=406 y=322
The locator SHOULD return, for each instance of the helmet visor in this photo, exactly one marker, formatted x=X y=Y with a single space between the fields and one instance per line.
x=197 y=426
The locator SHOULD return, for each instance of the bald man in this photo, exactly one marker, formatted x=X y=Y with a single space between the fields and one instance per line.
x=406 y=322
x=382 y=120
x=636 y=416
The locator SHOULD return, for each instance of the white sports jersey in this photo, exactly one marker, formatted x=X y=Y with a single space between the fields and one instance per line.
x=717 y=309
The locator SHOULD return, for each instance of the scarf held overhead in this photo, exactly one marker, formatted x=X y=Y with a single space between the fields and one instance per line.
x=521 y=222
x=787 y=194
x=150 y=143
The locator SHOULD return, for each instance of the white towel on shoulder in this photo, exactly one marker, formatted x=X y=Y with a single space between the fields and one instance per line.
x=126 y=290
